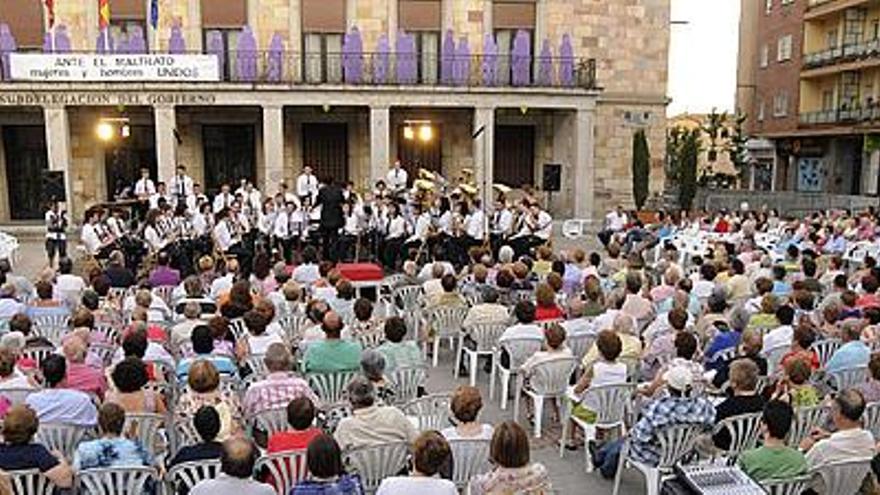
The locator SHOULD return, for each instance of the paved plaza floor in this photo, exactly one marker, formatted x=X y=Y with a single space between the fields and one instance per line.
x=567 y=473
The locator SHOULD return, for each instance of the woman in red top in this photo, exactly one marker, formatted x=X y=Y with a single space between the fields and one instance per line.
x=300 y=415
x=546 y=307
x=803 y=339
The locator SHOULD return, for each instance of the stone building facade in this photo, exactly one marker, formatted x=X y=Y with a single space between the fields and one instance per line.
x=297 y=102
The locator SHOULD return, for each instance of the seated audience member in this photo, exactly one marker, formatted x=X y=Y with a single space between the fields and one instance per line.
x=301 y=417
x=112 y=449
x=130 y=378
x=119 y=275
x=10 y=376
x=685 y=350
x=207 y=424
x=774 y=459
x=9 y=305
x=181 y=333
x=849 y=440
x=726 y=337
x=364 y=326
x=870 y=389
x=280 y=386
x=45 y=304
x=466 y=404
x=512 y=471
x=333 y=353
x=853 y=353
x=449 y=296
x=224 y=341
x=328 y=477
x=194 y=292
x=488 y=311
x=203 y=347
x=138 y=340
x=257 y=340
x=661 y=348
x=22 y=324
x=373 y=367
x=605 y=371
x=714 y=316
x=18 y=452
x=801 y=343
x=236 y=472
x=553 y=348
x=795 y=387
x=637 y=306
x=749 y=348
x=55 y=404
x=631 y=345
x=431 y=453
x=204 y=390
x=545 y=304
x=781 y=336
x=81 y=376
x=745 y=398
x=370 y=423
x=399 y=353
x=525 y=327
x=68 y=287
x=163 y=274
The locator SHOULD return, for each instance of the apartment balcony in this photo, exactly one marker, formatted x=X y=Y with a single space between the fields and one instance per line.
x=841 y=55
x=381 y=69
x=822 y=8
x=841 y=116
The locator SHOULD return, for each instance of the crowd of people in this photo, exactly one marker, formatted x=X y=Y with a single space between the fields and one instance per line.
x=737 y=328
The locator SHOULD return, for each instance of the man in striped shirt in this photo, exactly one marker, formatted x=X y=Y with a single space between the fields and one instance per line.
x=279 y=387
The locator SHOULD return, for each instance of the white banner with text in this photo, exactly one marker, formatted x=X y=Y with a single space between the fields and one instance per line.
x=84 y=67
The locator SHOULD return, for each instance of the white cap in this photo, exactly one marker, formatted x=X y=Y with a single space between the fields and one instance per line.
x=679 y=377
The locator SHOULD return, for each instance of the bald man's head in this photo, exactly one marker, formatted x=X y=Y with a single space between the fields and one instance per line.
x=239 y=456
x=332 y=325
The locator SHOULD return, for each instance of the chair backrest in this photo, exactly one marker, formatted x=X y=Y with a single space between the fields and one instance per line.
x=848 y=377
x=774 y=357
x=51 y=327
x=407 y=380
x=372 y=338
x=520 y=349
x=144 y=428
x=110 y=333
x=269 y=420
x=330 y=387
x=376 y=462
x=486 y=335
x=789 y=486
x=30 y=482
x=164 y=292
x=844 y=477
x=824 y=349
x=238 y=328
x=676 y=442
x=447 y=321
x=188 y=474
x=580 y=344
x=103 y=351
x=407 y=297
x=871 y=418
x=293 y=326
x=61 y=437
x=744 y=430
x=116 y=481
x=37 y=354
x=257 y=364
x=612 y=403
x=430 y=411
x=470 y=457
x=286 y=469
x=184 y=434
x=805 y=419
x=17 y=395
x=551 y=377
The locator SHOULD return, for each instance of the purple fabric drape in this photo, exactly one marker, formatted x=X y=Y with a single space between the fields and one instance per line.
x=246 y=55
x=353 y=57
x=545 y=65
x=47 y=42
x=381 y=61
x=104 y=44
x=566 y=62
x=462 y=68
x=520 y=59
x=406 y=59
x=62 y=40
x=490 y=60
x=215 y=47
x=447 y=58
x=275 y=62
x=7 y=46
x=176 y=43
x=137 y=43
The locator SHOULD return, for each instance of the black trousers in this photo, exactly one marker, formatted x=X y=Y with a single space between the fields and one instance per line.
x=329 y=240
x=56 y=246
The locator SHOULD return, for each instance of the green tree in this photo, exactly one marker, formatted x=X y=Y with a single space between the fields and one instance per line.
x=641 y=168
x=687 y=168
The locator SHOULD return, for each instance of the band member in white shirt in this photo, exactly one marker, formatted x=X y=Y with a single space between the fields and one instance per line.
x=307 y=185
x=396 y=179
x=116 y=223
x=201 y=220
x=615 y=221
x=161 y=193
x=536 y=228
x=394 y=236
x=224 y=232
x=224 y=199
x=91 y=234
x=350 y=231
x=196 y=198
x=56 y=232
x=154 y=233
x=422 y=228
x=501 y=227
x=181 y=184
x=474 y=226
x=144 y=187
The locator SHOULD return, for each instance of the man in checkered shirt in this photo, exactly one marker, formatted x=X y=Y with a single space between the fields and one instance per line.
x=279 y=387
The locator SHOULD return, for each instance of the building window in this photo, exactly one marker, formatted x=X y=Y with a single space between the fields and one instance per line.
x=25 y=20
x=508 y=18
x=783 y=48
x=761 y=111
x=121 y=29
x=765 y=55
x=229 y=37
x=226 y=17
x=780 y=105
x=323 y=26
x=828 y=100
x=421 y=18
x=831 y=39
x=768 y=6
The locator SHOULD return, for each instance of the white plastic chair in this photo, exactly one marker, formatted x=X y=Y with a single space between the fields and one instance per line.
x=51 y=327
x=675 y=443
x=407 y=381
x=184 y=434
x=238 y=328
x=824 y=349
x=144 y=428
x=268 y=420
x=805 y=420
x=407 y=298
x=430 y=412
x=445 y=323
x=109 y=333
x=789 y=486
x=187 y=474
x=774 y=357
x=293 y=326
x=61 y=437
x=848 y=377
x=871 y=418
x=548 y=380
x=744 y=431
x=580 y=344
x=37 y=354
x=844 y=477
x=377 y=462
x=518 y=350
x=165 y=293
x=612 y=404
x=286 y=468
x=486 y=338
x=30 y=482
x=17 y=395
x=470 y=458
x=257 y=364
x=116 y=481
x=103 y=351
x=330 y=387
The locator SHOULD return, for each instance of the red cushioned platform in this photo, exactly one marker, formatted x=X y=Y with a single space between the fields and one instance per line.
x=361 y=272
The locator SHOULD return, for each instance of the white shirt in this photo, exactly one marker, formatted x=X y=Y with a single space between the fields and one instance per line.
x=280 y=225
x=144 y=187
x=444 y=223
x=396 y=227
x=474 y=224
x=423 y=223
x=223 y=201
x=154 y=240
x=221 y=285
x=545 y=225
x=223 y=236
x=53 y=218
x=200 y=224
x=181 y=185
x=423 y=485
x=307 y=185
x=780 y=336
x=396 y=179
x=503 y=222
x=306 y=273
x=614 y=221
x=90 y=239
x=67 y=284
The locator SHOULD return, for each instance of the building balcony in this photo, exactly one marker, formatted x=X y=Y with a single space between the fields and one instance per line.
x=841 y=116
x=822 y=8
x=841 y=55
x=366 y=69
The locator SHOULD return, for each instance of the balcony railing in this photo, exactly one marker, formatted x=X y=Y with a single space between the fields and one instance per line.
x=846 y=53
x=841 y=116
x=392 y=69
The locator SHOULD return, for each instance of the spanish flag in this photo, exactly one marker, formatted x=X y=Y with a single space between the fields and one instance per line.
x=103 y=14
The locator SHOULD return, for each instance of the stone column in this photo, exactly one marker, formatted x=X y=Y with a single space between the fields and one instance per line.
x=165 y=120
x=273 y=147
x=192 y=28
x=380 y=143
x=484 y=152
x=58 y=148
x=584 y=165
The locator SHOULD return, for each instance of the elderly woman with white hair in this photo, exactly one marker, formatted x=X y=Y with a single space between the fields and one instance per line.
x=373 y=368
x=505 y=255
